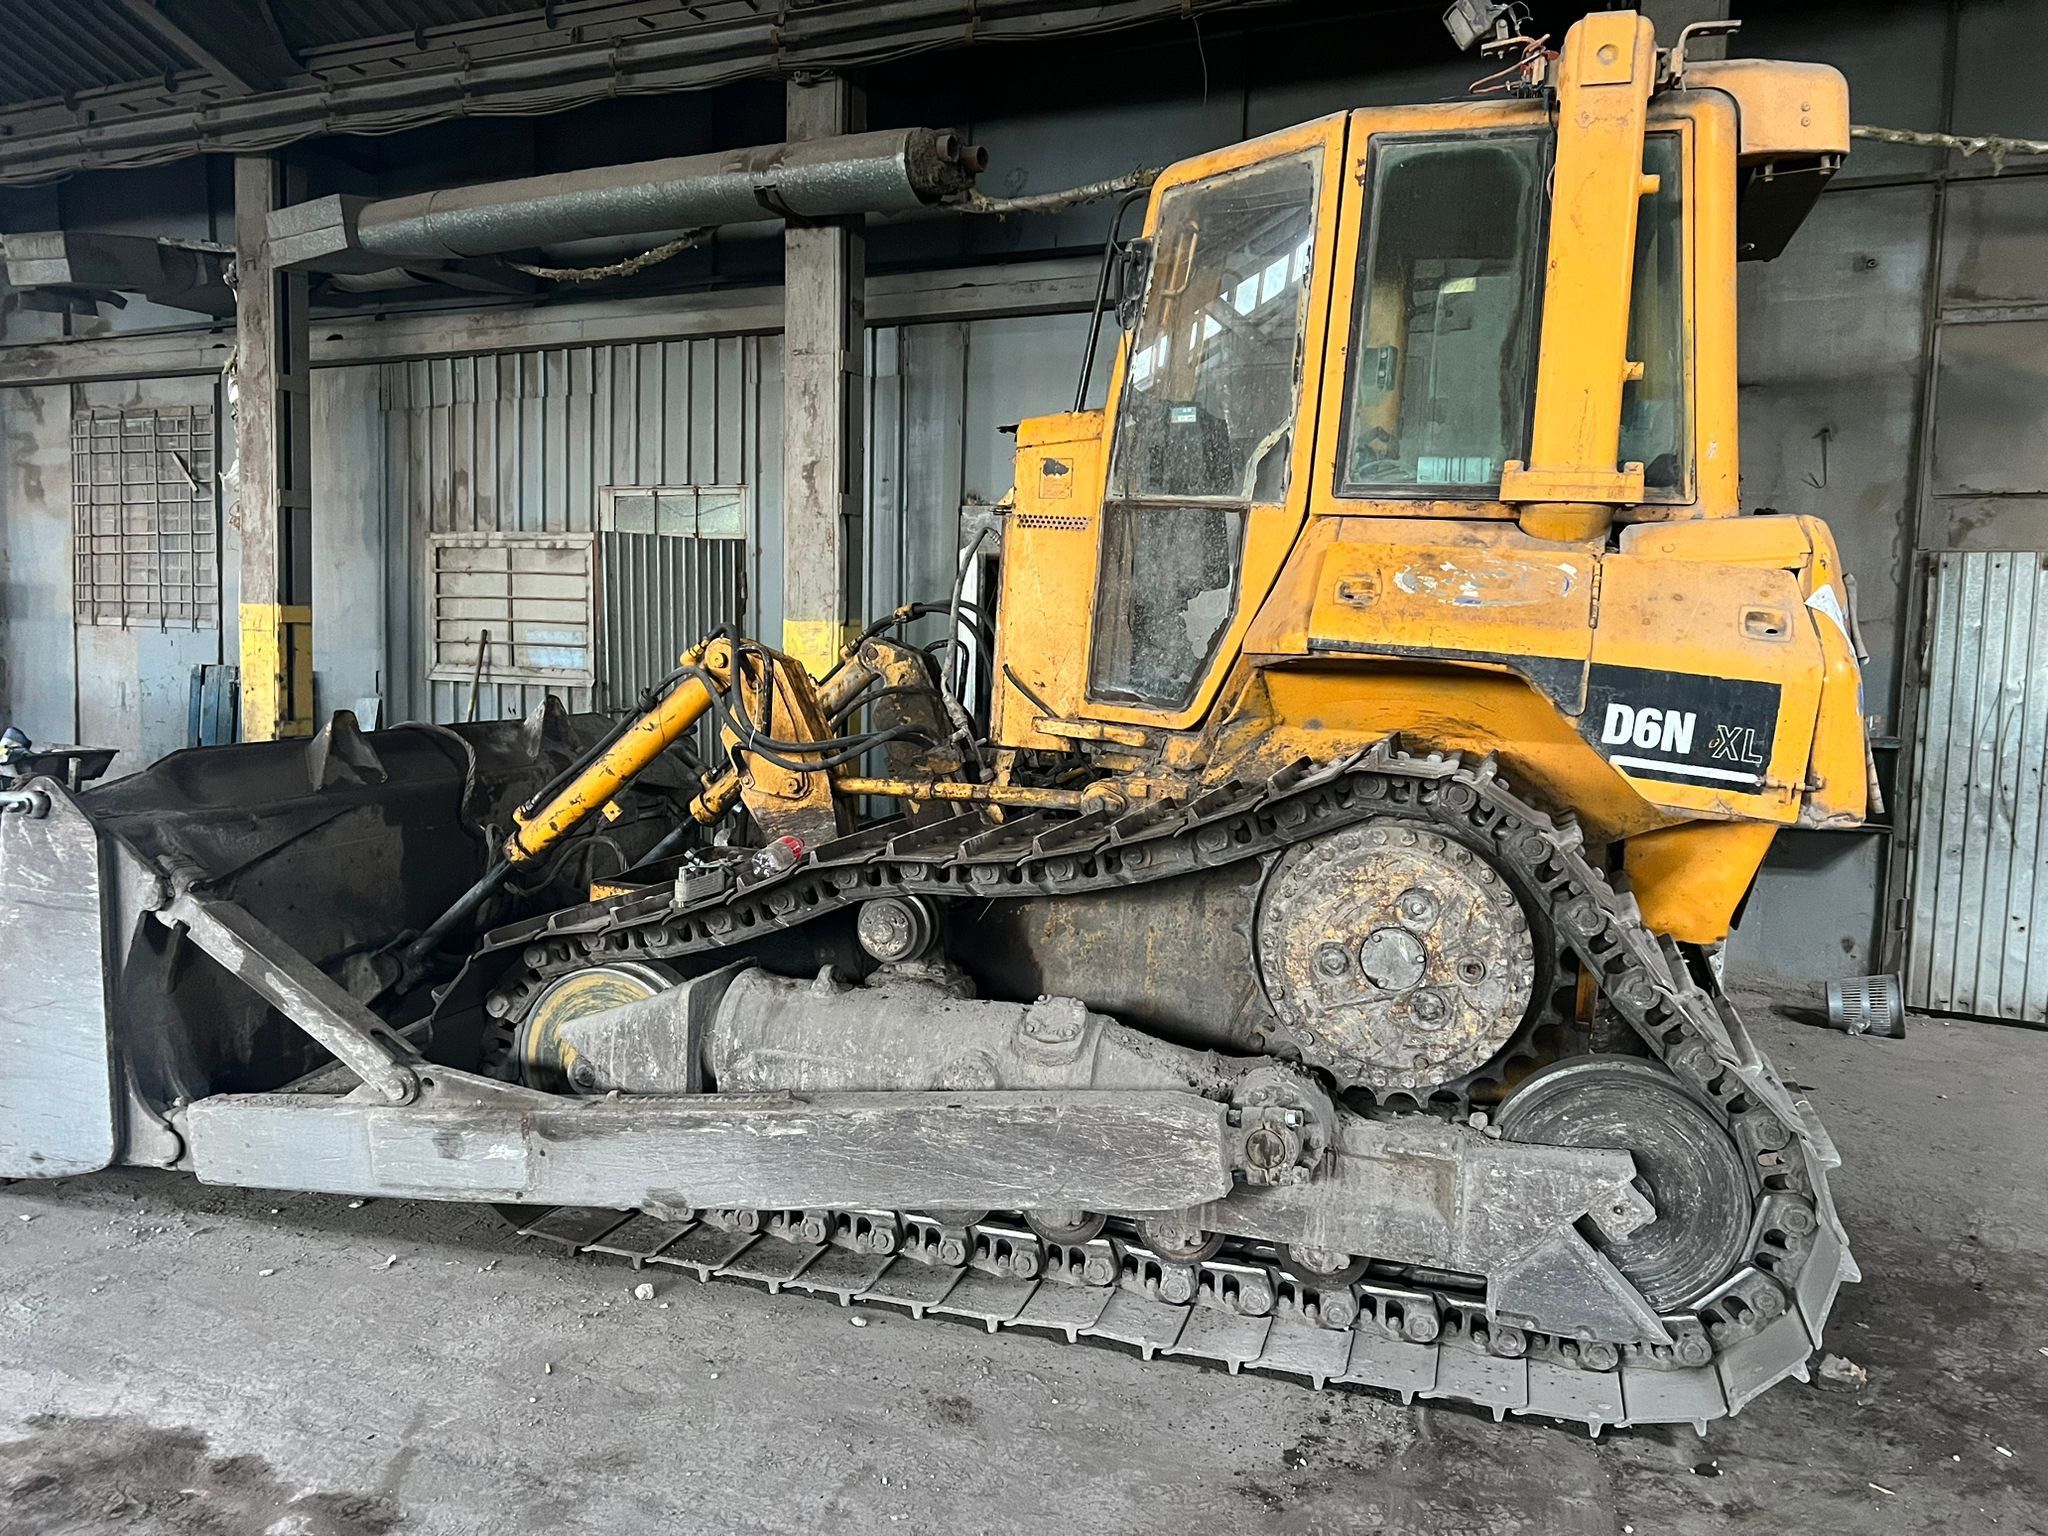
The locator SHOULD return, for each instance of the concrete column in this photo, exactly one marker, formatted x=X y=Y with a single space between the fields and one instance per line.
x=823 y=357
x=273 y=442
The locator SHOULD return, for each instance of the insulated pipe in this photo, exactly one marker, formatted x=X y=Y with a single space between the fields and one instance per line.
x=882 y=172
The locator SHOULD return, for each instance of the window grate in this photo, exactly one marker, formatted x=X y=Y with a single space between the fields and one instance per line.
x=145 y=522
x=675 y=511
x=531 y=593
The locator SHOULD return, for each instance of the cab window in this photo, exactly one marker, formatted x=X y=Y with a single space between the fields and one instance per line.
x=1443 y=360
x=1653 y=414
x=1444 y=342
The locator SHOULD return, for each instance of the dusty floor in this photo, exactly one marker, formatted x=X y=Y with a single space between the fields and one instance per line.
x=183 y=1360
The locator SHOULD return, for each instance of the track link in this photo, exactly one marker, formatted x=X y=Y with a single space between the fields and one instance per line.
x=1758 y=1326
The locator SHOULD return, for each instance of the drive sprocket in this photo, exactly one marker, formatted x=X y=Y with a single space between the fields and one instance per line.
x=1394 y=957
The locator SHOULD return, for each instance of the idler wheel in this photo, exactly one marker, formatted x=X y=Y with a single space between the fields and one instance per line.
x=1685 y=1163
x=543 y=1059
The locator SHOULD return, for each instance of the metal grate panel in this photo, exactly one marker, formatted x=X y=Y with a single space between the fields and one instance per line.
x=528 y=442
x=521 y=600
x=1977 y=921
x=145 y=521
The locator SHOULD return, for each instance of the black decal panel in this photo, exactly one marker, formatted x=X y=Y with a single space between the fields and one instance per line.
x=1711 y=731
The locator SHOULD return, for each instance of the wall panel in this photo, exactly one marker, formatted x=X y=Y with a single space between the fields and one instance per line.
x=525 y=442
x=1977 y=939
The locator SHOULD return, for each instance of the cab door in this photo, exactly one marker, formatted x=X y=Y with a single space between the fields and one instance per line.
x=1212 y=436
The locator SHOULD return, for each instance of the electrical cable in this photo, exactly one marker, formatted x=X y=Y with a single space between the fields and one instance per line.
x=953 y=610
x=1043 y=708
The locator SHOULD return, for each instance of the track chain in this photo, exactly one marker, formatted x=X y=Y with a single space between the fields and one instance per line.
x=1760 y=1325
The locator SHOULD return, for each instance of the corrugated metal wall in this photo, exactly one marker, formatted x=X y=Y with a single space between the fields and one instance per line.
x=1978 y=923
x=526 y=442
x=941 y=401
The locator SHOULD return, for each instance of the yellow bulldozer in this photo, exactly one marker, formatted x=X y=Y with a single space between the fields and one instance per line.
x=1284 y=932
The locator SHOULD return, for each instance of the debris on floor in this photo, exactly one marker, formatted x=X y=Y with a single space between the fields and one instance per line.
x=1838 y=1373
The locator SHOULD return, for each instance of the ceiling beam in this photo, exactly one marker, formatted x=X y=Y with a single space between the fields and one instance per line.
x=537 y=71
x=236 y=41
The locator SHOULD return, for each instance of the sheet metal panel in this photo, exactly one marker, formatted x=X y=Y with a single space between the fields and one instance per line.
x=1977 y=922
x=527 y=442
x=662 y=593
x=1992 y=254
x=1831 y=367
x=1991 y=410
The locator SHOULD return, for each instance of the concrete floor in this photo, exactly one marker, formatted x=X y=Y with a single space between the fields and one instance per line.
x=175 y=1359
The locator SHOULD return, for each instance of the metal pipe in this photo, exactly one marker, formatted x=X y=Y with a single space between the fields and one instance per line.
x=880 y=172
x=953 y=789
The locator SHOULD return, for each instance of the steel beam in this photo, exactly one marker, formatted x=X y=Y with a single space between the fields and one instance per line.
x=534 y=64
x=300 y=990
x=823 y=365
x=1058 y=287
x=92 y=263
x=273 y=440
x=235 y=41
x=473 y=1139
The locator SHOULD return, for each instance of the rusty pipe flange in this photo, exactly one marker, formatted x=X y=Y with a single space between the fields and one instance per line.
x=1396 y=958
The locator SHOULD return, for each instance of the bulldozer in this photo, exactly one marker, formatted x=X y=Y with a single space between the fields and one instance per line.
x=1282 y=928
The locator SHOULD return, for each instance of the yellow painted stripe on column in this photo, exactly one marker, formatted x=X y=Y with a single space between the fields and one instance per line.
x=263 y=680
x=816 y=643
x=277 y=670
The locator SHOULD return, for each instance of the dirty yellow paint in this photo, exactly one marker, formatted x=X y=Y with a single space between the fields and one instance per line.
x=651 y=735
x=816 y=644
x=1689 y=879
x=1430 y=618
x=1472 y=626
x=276 y=670
x=1571 y=480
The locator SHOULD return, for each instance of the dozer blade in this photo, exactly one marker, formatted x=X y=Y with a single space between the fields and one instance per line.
x=112 y=1009
x=57 y=1091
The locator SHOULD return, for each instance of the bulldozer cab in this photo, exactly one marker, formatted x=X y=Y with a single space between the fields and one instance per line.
x=1371 y=316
